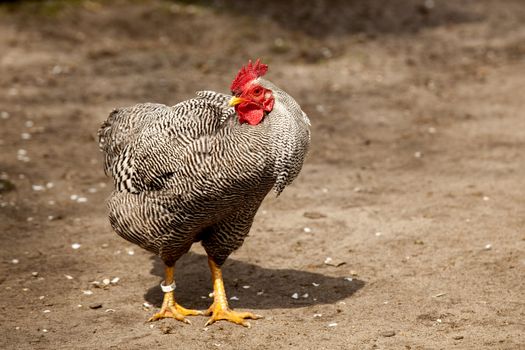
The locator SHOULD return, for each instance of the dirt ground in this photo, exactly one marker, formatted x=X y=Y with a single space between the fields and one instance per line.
x=414 y=186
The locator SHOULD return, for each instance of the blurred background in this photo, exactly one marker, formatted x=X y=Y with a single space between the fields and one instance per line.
x=413 y=187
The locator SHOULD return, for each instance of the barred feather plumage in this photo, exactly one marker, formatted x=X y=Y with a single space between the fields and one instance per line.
x=192 y=172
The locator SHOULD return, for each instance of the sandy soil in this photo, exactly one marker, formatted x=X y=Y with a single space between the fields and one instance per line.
x=414 y=186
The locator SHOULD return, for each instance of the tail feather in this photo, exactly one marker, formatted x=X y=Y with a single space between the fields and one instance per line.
x=105 y=135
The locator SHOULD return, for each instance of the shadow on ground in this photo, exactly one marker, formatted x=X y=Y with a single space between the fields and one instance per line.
x=277 y=285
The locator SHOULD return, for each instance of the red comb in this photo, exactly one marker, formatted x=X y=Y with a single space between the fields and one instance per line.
x=248 y=73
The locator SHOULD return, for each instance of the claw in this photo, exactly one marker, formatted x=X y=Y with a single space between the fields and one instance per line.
x=220 y=313
x=170 y=309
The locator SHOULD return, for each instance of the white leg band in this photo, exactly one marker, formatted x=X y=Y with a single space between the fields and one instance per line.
x=168 y=288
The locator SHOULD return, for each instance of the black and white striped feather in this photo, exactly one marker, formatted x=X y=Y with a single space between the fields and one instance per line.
x=192 y=172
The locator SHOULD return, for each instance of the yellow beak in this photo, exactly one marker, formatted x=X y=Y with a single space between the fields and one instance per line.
x=234 y=101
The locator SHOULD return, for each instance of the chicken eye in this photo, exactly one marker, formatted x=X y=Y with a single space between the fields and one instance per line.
x=257 y=91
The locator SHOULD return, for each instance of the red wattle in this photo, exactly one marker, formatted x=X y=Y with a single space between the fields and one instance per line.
x=250 y=113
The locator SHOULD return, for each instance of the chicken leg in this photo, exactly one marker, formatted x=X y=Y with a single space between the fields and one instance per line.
x=219 y=310
x=170 y=308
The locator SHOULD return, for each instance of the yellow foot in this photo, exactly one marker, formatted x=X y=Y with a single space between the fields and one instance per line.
x=220 y=313
x=175 y=311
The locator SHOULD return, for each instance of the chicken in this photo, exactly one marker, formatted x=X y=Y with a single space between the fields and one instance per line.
x=198 y=172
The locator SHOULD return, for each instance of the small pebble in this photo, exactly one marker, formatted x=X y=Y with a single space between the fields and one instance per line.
x=47 y=311
x=458 y=337
x=260 y=292
x=487 y=247
x=148 y=305
x=38 y=188
x=331 y=262
x=387 y=334
x=109 y=310
x=56 y=70
x=81 y=200
x=305 y=295
x=115 y=280
x=44 y=330
x=50 y=185
x=29 y=124
x=295 y=296
x=485 y=198
x=17 y=328
x=106 y=281
x=378 y=234
x=25 y=289
x=75 y=245
x=307 y=229
x=317 y=315
x=87 y=292
x=418 y=154
x=25 y=136
x=95 y=306
x=41 y=297
x=315 y=284
x=234 y=298
x=29 y=219
x=34 y=274
x=131 y=252
x=68 y=277
x=246 y=287
x=439 y=320
x=314 y=215
x=349 y=279
x=73 y=197
x=4 y=115
x=15 y=261
x=431 y=130
x=334 y=324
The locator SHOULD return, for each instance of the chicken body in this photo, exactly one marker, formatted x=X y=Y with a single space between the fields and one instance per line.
x=193 y=172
